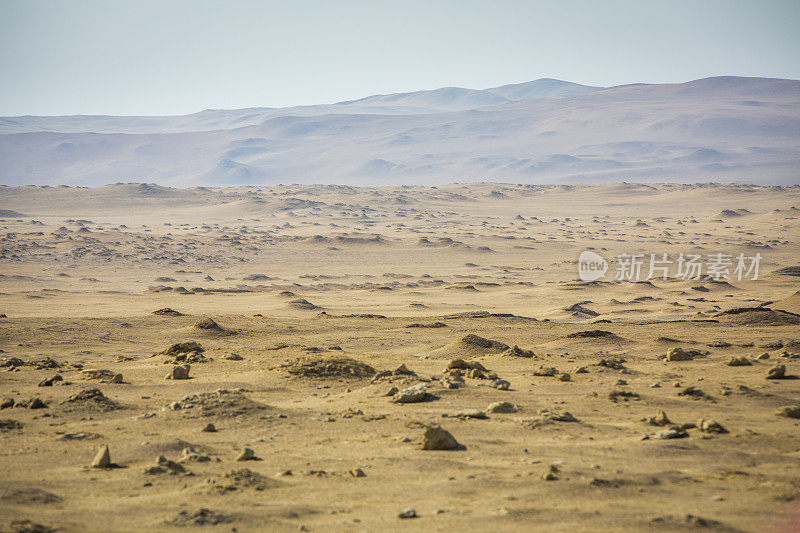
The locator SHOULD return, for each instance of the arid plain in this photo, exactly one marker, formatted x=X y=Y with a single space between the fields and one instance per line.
x=330 y=331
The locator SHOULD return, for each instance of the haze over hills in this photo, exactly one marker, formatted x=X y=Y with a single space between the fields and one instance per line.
x=720 y=129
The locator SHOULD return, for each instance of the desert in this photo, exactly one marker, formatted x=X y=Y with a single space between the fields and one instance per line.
x=318 y=358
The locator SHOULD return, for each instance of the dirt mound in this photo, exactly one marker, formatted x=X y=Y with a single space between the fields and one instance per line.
x=89 y=400
x=221 y=403
x=303 y=305
x=237 y=480
x=471 y=346
x=180 y=348
x=30 y=496
x=733 y=213
x=328 y=367
x=200 y=517
x=757 y=316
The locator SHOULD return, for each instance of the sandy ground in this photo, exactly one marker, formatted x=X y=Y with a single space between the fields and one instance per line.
x=313 y=290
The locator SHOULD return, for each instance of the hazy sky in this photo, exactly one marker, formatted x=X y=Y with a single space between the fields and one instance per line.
x=180 y=56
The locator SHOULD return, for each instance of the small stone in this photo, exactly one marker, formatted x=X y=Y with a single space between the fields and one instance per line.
x=357 y=472
x=209 y=428
x=710 y=426
x=763 y=357
x=550 y=476
x=49 y=382
x=671 y=433
x=582 y=370
x=678 y=354
x=116 y=379
x=408 y=513
x=501 y=384
x=471 y=413
x=233 y=357
x=739 y=361
x=564 y=376
x=417 y=393
x=179 y=372
x=502 y=407
x=660 y=419
x=175 y=406
x=246 y=455
x=103 y=458
x=436 y=438
x=6 y=403
x=777 y=372
x=789 y=411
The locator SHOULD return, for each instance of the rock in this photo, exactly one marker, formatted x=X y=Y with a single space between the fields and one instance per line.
x=417 y=393
x=545 y=371
x=6 y=403
x=33 y=403
x=564 y=376
x=789 y=411
x=678 y=354
x=436 y=438
x=660 y=419
x=116 y=379
x=246 y=455
x=103 y=458
x=739 y=361
x=763 y=357
x=777 y=372
x=471 y=413
x=209 y=428
x=175 y=406
x=50 y=381
x=710 y=426
x=464 y=365
x=674 y=432
x=408 y=513
x=179 y=372
x=502 y=407
x=357 y=472
x=233 y=357
x=582 y=370
x=501 y=384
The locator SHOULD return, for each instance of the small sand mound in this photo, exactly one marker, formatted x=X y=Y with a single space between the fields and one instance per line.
x=592 y=334
x=208 y=324
x=790 y=304
x=200 y=517
x=221 y=403
x=788 y=271
x=328 y=367
x=303 y=305
x=757 y=316
x=30 y=496
x=89 y=400
x=167 y=311
x=471 y=346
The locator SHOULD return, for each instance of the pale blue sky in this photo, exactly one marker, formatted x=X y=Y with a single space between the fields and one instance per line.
x=180 y=56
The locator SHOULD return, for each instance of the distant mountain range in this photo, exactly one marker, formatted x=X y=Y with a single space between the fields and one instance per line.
x=715 y=129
